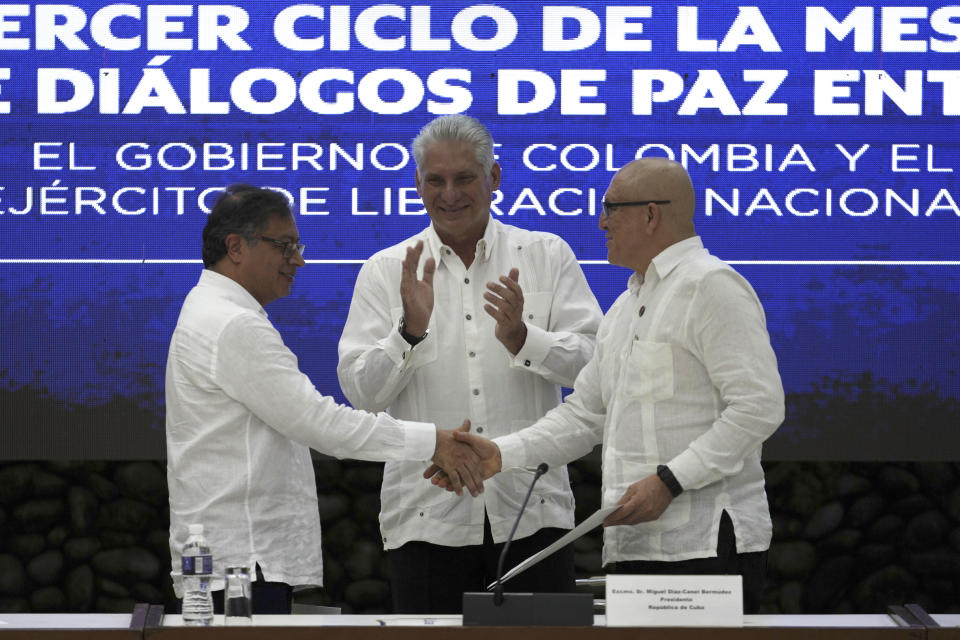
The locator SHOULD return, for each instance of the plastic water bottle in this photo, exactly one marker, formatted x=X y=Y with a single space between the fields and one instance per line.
x=197 y=609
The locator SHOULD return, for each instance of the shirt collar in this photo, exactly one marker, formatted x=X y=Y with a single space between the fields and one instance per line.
x=484 y=244
x=666 y=261
x=231 y=290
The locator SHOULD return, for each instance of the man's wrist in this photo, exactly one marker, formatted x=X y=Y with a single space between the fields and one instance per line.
x=666 y=476
x=412 y=340
x=515 y=342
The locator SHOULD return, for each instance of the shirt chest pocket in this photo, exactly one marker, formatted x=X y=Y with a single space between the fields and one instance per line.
x=536 y=308
x=649 y=371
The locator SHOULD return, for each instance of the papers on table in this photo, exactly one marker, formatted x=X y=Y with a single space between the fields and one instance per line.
x=573 y=534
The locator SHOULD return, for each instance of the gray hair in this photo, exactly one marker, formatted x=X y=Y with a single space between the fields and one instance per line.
x=455 y=128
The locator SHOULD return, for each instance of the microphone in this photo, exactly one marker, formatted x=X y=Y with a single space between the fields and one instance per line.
x=498 y=588
x=525 y=609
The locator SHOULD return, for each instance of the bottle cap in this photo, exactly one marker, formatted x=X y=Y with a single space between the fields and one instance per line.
x=196 y=529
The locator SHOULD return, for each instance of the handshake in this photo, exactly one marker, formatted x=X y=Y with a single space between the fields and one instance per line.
x=466 y=459
x=463 y=459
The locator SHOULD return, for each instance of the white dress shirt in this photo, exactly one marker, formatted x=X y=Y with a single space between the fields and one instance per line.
x=240 y=416
x=462 y=371
x=683 y=375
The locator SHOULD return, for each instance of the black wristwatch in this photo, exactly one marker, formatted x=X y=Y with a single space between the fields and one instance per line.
x=411 y=340
x=664 y=473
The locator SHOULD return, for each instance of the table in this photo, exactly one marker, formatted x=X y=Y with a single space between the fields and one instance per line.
x=147 y=621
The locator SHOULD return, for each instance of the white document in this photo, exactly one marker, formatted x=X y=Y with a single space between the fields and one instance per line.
x=572 y=535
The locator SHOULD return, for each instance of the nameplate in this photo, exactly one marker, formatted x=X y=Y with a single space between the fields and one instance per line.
x=674 y=601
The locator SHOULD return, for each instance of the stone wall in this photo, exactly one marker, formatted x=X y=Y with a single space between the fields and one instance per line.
x=85 y=536
x=848 y=537
x=852 y=538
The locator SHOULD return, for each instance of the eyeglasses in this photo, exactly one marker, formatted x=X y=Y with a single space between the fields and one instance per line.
x=287 y=247
x=610 y=207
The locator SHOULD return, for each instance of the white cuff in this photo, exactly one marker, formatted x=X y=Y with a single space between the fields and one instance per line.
x=420 y=439
x=689 y=470
x=512 y=452
x=535 y=348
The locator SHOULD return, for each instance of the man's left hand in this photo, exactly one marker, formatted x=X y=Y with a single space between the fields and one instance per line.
x=506 y=307
x=643 y=501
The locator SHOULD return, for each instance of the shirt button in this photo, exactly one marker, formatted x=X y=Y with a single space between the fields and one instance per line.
x=640 y=312
x=469 y=317
x=476 y=392
x=473 y=354
x=479 y=429
x=526 y=363
x=466 y=280
x=421 y=514
x=530 y=316
x=542 y=501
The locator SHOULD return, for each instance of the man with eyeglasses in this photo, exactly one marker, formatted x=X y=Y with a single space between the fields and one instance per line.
x=682 y=390
x=240 y=415
x=468 y=316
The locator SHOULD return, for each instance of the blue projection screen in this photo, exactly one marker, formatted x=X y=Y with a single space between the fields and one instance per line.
x=822 y=140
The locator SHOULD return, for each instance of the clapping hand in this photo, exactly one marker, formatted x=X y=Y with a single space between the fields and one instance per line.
x=505 y=305
x=416 y=294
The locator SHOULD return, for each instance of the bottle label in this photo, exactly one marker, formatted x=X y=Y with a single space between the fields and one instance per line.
x=197 y=565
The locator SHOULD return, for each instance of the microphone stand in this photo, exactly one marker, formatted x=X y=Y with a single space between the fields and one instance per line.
x=498 y=588
x=526 y=609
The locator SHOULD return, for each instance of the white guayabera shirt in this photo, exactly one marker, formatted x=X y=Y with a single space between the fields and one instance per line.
x=462 y=371
x=240 y=419
x=683 y=375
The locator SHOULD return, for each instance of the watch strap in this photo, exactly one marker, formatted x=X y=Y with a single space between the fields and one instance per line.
x=667 y=477
x=411 y=340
